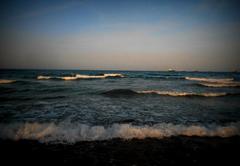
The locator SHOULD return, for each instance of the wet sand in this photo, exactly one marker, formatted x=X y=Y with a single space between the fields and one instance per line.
x=173 y=151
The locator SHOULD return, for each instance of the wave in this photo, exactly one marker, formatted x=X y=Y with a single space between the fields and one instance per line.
x=129 y=92
x=67 y=132
x=68 y=78
x=3 y=99
x=120 y=92
x=169 y=93
x=213 y=80
x=80 y=76
x=43 y=77
x=7 y=81
x=162 y=77
x=218 y=85
x=53 y=97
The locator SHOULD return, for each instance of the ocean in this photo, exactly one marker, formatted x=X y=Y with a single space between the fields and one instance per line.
x=70 y=106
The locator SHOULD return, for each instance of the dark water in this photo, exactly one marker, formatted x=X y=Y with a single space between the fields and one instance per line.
x=166 y=101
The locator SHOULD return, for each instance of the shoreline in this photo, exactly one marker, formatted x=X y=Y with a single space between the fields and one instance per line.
x=148 y=151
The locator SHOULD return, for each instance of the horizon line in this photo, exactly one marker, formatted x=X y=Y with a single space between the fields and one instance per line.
x=138 y=70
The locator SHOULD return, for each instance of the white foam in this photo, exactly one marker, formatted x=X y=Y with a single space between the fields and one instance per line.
x=80 y=76
x=214 y=82
x=43 y=77
x=175 y=94
x=7 y=81
x=209 y=79
x=229 y=84
x=68 y=78
x=113 y=75
x=73 y=132
x=89 y=76
x=99 y=76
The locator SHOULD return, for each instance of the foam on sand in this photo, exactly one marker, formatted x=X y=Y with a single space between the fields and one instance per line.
x=73 y=132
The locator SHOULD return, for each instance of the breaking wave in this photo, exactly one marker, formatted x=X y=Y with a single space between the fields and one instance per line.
x=168 y=93
x=7 y=81
x=129 y=92
x=218 y=85
x=43 y=77
x=68 y=78
x=209 y=79
x=80 y=76
x=67 y=132
x=214 y=82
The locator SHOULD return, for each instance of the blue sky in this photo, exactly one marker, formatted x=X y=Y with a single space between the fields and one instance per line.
x=126 y=35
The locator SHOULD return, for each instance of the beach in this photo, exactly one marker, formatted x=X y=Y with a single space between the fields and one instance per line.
x=168 y=151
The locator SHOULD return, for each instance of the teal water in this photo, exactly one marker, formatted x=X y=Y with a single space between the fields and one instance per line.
x=137 y=98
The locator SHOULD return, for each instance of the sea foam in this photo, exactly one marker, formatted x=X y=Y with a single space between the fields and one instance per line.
x=174 y=93
x=129 y=92
x=215 y=82
x=218 y=85
x=81 y=76
x=67 y=132
x=43 y=77
x=209 y=79
x=7 y=81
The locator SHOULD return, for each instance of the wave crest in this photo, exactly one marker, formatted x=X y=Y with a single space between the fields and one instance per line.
x=169 y=93
x=68 y=78
x=219 y=85
x=71 y=132
x=213 y=80
x=7 y=81
x=43 y=77
x=129 y=92
x=80 y=76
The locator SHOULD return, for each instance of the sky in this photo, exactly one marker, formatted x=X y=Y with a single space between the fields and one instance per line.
x=120 y=35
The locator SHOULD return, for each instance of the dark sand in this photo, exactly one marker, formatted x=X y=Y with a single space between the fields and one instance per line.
x=173 y=151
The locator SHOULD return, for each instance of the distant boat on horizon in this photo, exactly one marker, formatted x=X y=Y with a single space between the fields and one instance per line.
x=171 y=70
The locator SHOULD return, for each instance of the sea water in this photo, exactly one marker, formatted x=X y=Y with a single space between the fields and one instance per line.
x=76 y=105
